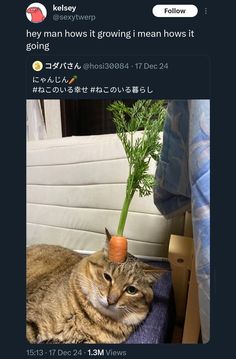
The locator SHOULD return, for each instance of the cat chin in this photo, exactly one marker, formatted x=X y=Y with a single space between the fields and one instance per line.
x=134 y=318
x=116 y=313
x=110 y=311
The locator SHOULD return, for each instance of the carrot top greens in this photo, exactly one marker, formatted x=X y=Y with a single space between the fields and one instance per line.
x=146 y=116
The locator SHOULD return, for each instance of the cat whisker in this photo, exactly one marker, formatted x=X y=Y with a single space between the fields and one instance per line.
x=129 y=310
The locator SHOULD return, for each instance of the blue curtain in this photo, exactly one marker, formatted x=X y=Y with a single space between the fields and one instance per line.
x=183 y=183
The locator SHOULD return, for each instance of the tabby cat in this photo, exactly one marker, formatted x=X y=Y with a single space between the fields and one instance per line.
x=74 y=299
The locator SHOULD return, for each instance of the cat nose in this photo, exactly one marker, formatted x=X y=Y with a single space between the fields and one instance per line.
x=112 y=299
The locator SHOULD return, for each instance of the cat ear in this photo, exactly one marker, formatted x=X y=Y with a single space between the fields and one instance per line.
x=108 y=237
x=153 y=273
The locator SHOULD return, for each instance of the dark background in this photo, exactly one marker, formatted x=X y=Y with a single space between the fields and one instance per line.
x=187 y=77
x=125 y=15
x=87 y=117
x=216 y=41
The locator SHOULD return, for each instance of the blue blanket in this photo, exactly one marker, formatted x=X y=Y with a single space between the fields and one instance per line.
x=158 y=326
x=183 y=183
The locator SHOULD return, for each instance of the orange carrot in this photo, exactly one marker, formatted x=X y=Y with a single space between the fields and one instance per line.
x=72 y=80
x=117 y=250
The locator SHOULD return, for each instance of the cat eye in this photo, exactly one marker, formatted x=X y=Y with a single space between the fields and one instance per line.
x=107 y=277
x=131 y=290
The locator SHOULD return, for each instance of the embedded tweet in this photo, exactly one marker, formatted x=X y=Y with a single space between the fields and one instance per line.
x=107 y=85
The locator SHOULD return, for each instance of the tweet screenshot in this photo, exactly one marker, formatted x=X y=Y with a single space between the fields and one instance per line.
x=117 y=251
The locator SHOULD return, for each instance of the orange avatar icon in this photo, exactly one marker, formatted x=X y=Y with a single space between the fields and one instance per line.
x=36 y=12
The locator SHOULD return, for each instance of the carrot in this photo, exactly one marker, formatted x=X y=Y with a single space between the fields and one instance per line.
x=72 y=80
x=117 y=250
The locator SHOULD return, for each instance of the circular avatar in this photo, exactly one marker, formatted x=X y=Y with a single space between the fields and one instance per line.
x=37 y=65
x=36 y=12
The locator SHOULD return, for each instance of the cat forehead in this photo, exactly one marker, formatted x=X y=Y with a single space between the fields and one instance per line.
x=131 y=264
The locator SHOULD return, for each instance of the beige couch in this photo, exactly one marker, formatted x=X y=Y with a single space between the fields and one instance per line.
x=75 y=188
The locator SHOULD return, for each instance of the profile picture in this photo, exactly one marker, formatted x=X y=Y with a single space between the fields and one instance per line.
x=36 y=12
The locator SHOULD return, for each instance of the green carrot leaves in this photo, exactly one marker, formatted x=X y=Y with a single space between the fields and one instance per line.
x=146 y=116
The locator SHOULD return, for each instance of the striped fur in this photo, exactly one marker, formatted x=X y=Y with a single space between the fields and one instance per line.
x=70 y=301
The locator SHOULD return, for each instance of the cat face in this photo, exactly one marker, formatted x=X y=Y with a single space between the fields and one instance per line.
x=123 y=291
